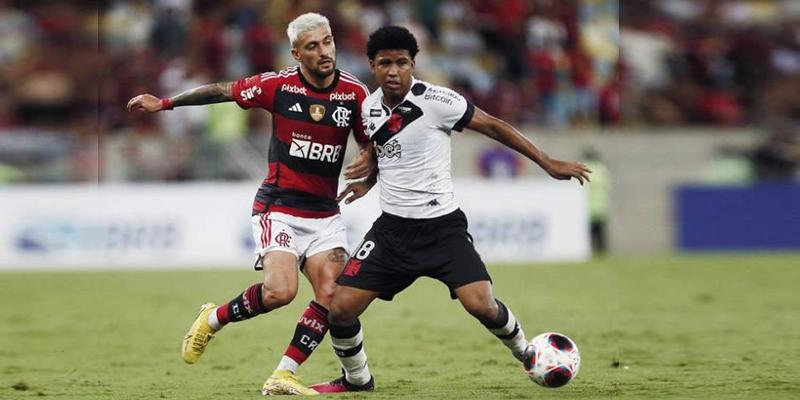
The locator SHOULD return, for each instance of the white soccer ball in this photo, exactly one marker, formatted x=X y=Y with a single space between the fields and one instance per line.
x=552 y=360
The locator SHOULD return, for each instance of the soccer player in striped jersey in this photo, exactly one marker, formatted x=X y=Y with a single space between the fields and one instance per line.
x=295 y=216
x=422 y=231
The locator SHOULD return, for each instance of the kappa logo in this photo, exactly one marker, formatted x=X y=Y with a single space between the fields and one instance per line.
x=250 y=93
x=389 y=150
x=341 y=116
x=293 y=89
x=342 y=96
x=296 y=108
x=315 y=151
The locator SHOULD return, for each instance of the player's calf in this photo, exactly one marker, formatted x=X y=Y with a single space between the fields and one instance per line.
x=506 y=327
x=273 y=298
x=308 y=334
x=246 y=305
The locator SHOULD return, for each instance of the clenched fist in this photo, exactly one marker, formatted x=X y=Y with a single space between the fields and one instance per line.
x=145 y=102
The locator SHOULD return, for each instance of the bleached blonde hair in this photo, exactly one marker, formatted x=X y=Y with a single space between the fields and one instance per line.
x=304 y=23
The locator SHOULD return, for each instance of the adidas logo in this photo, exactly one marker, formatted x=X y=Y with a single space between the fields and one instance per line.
x=296 y=108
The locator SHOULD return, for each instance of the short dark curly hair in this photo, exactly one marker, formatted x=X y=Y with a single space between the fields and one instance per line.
x=391 y=38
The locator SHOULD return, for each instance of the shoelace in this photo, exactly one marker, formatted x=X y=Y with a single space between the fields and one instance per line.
x=338 y=381
x=295 y=378
x=200 y=340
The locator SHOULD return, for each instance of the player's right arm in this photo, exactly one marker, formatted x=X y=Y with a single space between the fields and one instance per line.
x=365 y=162
x=506 y=134
x=358 y=189
x=207 y=94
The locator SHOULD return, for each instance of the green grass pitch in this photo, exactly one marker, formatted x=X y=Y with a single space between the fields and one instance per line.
x=698 y=326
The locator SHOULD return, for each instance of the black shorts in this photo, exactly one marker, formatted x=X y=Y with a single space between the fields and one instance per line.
x=396 y=251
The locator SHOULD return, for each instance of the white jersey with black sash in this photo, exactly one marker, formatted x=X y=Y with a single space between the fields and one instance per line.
x=412 y=141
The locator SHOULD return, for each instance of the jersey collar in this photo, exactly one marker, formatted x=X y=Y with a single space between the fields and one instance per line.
x=408 y=96
x=312 y=88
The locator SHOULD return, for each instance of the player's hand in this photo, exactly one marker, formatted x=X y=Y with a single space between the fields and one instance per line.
x=145 y=102
x=356 y=190
x=362 y=165
x=565 y=170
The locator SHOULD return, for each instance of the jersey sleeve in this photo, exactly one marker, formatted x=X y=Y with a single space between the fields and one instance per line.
x=255 y=91
x=360 y=125
x=453 y=111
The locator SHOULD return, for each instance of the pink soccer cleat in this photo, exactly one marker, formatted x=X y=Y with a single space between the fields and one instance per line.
x=340 y=385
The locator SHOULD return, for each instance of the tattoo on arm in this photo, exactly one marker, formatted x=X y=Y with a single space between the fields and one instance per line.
x=206 y=94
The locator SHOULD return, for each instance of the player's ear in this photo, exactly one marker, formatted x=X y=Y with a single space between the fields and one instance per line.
x=295 y=54
x=372 y=65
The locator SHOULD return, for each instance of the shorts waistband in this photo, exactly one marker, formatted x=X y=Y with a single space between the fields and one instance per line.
x=403 y=220
x=269 y=196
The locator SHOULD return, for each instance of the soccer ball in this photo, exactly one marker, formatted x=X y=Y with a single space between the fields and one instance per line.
x=551 y=360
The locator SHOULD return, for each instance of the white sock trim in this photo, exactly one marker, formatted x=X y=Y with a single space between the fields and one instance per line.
x=287 y=363
x=213 y=321
x=347 y=343
x=508 y=327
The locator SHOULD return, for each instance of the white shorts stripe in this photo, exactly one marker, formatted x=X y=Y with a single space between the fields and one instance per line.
x=265 y=237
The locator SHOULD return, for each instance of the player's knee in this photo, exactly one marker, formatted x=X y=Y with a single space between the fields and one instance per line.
x=278 y=297
x=324 y=295
x=338 y=314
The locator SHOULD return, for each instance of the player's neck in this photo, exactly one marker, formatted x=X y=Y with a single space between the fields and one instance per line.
x=315 y=81
x=392 y=101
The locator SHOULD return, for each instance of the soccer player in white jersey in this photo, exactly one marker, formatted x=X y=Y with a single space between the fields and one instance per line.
x=422 y=231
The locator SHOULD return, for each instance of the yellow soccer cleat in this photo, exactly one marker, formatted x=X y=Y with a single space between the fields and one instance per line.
x=284 y=381
x=196 y=340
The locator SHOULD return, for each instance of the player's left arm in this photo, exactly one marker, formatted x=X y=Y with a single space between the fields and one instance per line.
x=506 y=134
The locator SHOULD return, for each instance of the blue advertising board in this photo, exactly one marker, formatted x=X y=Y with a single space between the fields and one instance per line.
x=757 y=217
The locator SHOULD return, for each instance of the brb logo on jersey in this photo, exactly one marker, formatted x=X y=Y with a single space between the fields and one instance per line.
x=250 y=93
x=341 y=116
x=389 y=150
x=314 y=151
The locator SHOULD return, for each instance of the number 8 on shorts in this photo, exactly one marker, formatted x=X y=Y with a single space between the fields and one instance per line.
x=364 y=250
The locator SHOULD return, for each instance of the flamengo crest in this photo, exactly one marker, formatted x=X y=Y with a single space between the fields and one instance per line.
x=341 y=116
x=283 y=239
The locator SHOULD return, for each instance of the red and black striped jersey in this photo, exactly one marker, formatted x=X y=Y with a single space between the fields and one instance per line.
x=310 y=127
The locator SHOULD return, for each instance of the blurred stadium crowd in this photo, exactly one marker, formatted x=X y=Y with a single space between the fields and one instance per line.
x=68 y=68
x=722 y=62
